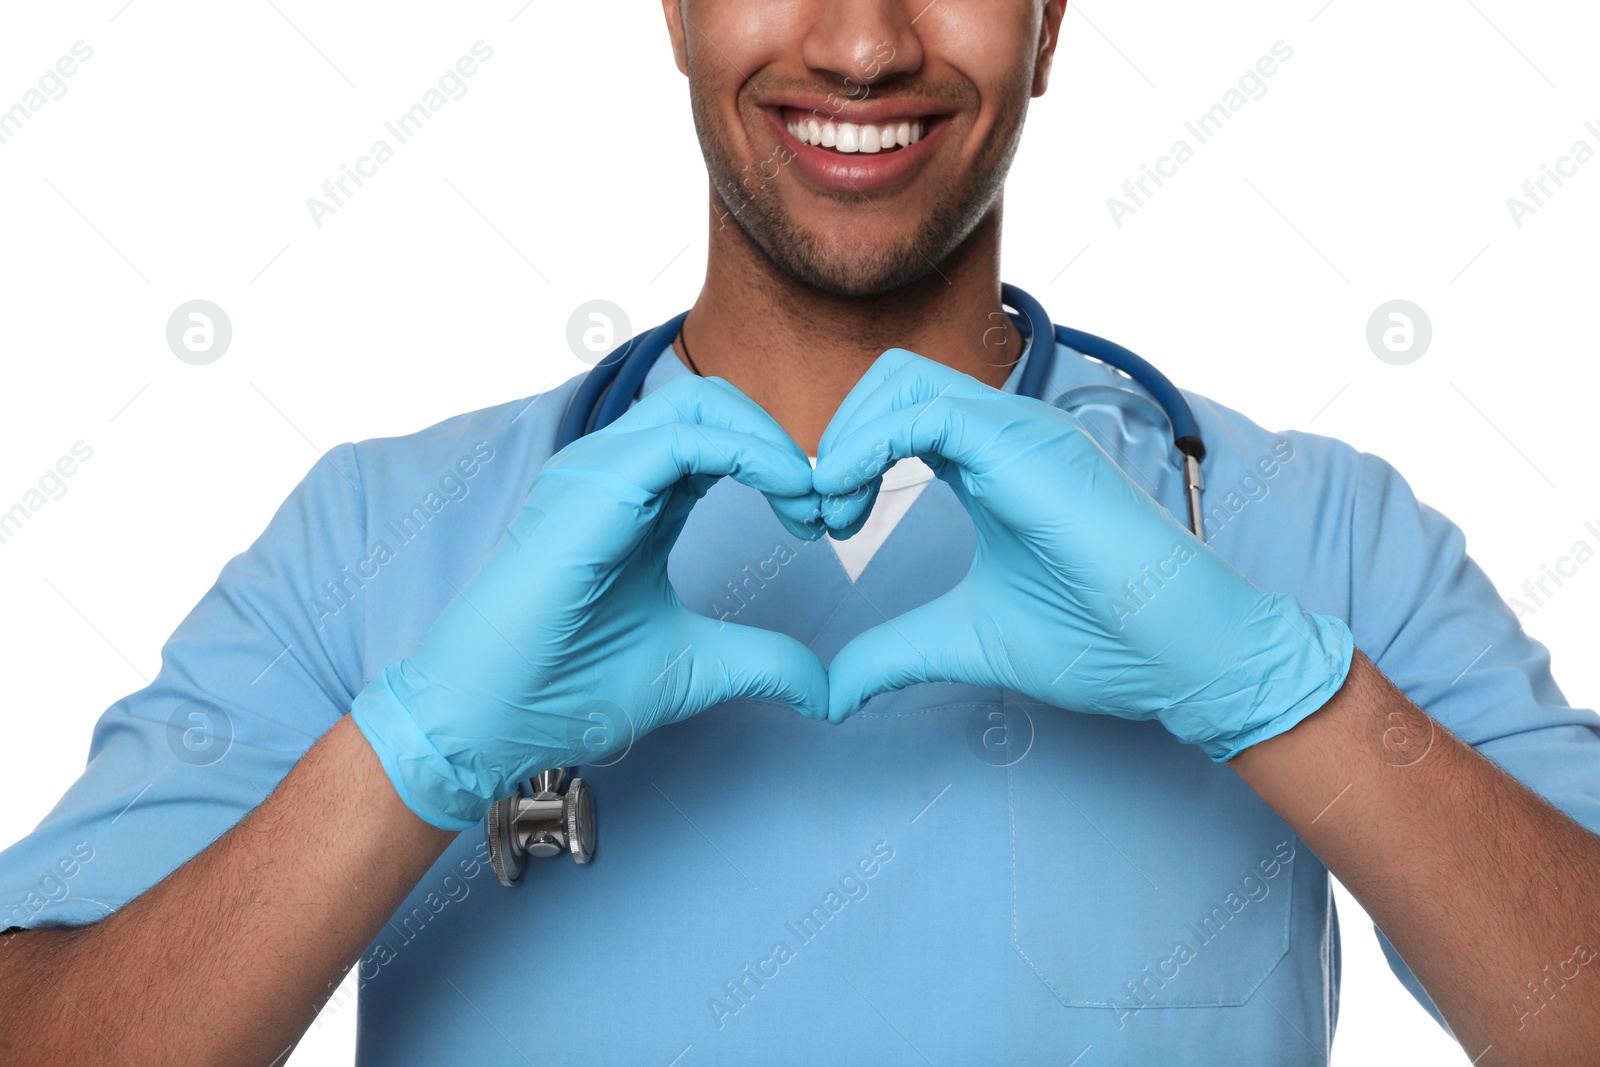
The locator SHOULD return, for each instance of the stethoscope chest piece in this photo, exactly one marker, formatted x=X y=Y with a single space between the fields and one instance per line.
x=554 y=815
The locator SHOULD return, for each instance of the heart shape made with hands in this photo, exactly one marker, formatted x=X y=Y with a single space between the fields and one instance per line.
x=1083 y=593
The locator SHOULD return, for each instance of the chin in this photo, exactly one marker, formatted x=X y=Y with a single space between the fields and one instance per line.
x=846 y=270
x=858 y=279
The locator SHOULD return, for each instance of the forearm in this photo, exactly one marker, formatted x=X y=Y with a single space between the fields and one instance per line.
x=228 y=958
x=1481 y=885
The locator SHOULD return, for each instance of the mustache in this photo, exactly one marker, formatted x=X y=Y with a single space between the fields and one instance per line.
x=907 y=89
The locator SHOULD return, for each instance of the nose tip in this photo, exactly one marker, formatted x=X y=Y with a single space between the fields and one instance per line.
x=864 y=43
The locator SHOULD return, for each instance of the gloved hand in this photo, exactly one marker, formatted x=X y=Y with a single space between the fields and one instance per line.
x=1083 y=592
x=573 y=612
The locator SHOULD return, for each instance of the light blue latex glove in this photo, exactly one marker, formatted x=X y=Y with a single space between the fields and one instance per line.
x=570 y=643
x=1083 y=592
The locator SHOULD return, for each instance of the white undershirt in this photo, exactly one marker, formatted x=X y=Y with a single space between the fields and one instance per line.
x=902 y=484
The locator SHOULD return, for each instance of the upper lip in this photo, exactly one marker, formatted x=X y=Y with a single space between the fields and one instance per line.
x=837 y=109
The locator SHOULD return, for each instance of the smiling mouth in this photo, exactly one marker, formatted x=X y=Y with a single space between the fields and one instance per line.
x=855 y=137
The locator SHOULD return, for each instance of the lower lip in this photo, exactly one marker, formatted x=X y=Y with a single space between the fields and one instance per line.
x=856 y=172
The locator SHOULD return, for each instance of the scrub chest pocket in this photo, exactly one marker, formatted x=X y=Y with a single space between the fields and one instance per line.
x=1121 y=898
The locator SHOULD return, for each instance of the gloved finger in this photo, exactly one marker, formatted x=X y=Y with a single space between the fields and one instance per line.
x=707 y=401
x=886 y=364
x=734 y=662
x=676 y=505
x=844 y=516
x=899 y=378
x=717 y=402
x=923 y=645
x=963 y=430
x=798 y=515
x=610 y=495
x=740 y=394
x=657 y=457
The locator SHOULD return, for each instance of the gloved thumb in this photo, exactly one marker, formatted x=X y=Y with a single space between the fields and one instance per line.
x=914 y=647
x=733 y=662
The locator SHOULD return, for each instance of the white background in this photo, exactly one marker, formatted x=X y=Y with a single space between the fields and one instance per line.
x=177 y=166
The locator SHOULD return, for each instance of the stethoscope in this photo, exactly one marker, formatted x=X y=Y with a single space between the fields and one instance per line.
x=554 y=811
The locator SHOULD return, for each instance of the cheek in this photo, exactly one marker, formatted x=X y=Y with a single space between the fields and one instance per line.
x=992 y=47
x=991 y=43
x=723 y=40
x=728 y=38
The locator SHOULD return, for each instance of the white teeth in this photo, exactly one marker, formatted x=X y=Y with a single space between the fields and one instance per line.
x=856 y=137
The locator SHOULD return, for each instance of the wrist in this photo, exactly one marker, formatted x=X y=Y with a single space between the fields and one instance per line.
x=1301 y=671
x=436 y=790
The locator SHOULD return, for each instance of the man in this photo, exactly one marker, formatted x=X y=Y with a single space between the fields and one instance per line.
x=1139 y=869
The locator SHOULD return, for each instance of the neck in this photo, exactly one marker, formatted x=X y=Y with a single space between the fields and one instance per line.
x=797 y=351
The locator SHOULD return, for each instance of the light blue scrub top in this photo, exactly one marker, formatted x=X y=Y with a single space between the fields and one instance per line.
x=956 y=875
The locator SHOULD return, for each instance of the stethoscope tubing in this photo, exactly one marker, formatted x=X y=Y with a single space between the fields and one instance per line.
x=608 y=389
